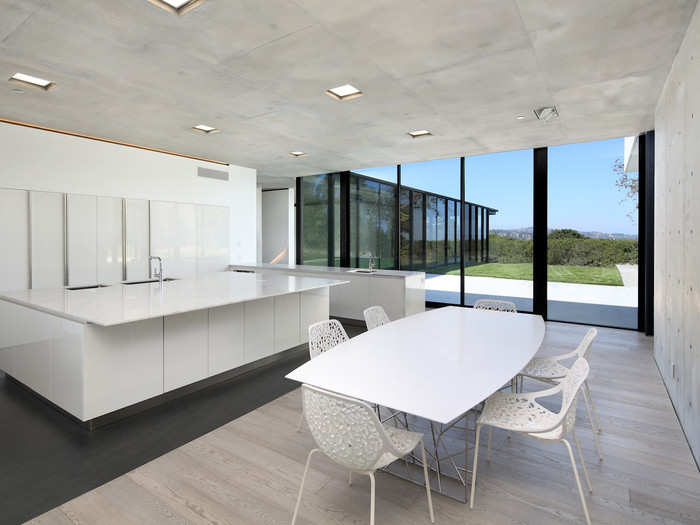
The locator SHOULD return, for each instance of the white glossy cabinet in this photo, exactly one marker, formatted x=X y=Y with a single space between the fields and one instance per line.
x=136 y=220
x=213 y=238
x=258 y=332
x=226 y=338
x=46 y=220
x=109 y=240
x=185 y=349
x=174 y=237
x=14 y=239
x=81 y=243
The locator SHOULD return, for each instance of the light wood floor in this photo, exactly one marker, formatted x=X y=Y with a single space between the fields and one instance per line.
x=248 y=471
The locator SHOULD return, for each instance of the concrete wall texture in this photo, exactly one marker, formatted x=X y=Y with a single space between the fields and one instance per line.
x=677 y=234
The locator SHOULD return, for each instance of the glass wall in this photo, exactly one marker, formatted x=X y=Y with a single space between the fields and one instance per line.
x=372 y=222
x=499 y=250
x=592 y=237
x=433 y=189
x=321 y=220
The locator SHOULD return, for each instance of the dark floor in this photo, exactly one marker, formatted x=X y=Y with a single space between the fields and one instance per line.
x=47 y=459
x=565 y=311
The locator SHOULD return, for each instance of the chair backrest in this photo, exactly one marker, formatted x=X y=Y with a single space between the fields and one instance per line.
x=324 y=335
x=570 y=386
x=345 y=429
x=495 y=305
x=375 y=316
x=584 y=347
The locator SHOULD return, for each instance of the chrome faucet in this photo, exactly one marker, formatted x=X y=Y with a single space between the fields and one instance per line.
x=160 y=268
x=371 y=263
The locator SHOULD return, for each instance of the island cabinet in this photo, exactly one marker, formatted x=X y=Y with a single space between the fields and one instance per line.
x=92 y=352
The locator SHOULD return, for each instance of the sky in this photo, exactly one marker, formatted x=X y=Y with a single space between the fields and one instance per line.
x=581 y=186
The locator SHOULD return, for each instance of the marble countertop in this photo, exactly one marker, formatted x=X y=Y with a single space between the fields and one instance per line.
x=324 y=269
x=120 y=303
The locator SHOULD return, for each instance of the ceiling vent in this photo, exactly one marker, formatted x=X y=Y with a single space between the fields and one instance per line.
x=547 y=113
x=212 y=174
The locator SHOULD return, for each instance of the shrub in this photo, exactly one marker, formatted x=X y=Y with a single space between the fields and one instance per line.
x=566 y=251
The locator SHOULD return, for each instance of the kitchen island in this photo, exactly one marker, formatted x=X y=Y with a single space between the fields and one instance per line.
x=95 y=351
x=401 y=293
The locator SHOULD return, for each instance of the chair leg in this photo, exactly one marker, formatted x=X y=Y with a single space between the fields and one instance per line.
x=301 y=487
x=350 y=478
x=590 y=398
x=583 y=463
x=578 y=481
x=427 y=482
x=587 y=401
x=488 y=455
x=476 y=459
x=371 y=500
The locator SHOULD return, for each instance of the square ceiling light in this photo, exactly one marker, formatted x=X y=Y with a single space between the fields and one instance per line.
x=344 y=92
x=177 y=7
x=418 y=133
x=32 y=81
x=205 y=129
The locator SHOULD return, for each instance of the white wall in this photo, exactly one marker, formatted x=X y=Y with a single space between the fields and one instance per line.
x=41 y=160
x=278 y=224
x=677 y=234
x=258 y=196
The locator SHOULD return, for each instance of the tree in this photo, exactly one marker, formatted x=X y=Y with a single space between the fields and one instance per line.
x=628 y=183
x=565 y=233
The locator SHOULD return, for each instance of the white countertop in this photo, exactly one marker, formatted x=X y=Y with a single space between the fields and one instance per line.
x=119 y=303
x=324 y=269
x=436 y=365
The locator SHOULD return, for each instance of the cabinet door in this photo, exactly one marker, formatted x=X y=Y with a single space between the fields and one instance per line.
x=46 y=219
x=174 y=237
x=213 y=238
x=14 y=239
x=136 y=239
x=109 y=240
x=81 y=242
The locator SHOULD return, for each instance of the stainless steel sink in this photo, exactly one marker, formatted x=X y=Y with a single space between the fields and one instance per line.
x=362 y=270
x=149 y=281
x=86 y=287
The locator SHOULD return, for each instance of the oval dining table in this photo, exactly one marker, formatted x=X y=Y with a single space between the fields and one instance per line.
x=436 y=365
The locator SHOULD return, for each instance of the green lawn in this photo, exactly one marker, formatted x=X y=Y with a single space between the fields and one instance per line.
x=562 y=274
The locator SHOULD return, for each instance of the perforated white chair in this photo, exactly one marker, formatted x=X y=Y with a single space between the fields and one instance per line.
x=551 y=370
x=323 y=336
x=375 y=316
x=520 y=412
x=348 y=432
x=495 y=305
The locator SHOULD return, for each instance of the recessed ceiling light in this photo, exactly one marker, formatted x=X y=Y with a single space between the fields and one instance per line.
x=419 y=133
x=547 y=113
x=177 y=7
x=296 y=153
x=520 y=117
x=344 y=92
x=205 y=129
x=32 y=81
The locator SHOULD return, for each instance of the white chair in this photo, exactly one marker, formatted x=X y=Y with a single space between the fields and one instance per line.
x=375 y=316
x=520 y=412
x=348 y=432
x=495 y=305
x=551 y=370
x=323 y=336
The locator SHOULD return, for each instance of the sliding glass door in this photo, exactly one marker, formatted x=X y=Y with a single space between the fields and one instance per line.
x=592 y=237
x=498 y=247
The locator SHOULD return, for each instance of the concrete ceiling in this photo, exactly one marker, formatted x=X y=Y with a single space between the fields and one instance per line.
x=130 y=71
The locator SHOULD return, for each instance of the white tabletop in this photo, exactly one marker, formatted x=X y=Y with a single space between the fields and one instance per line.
x=436 y=365
x=119 y=303
x=308 y=268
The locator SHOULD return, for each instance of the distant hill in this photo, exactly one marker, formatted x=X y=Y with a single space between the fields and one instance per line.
x=526 y=234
